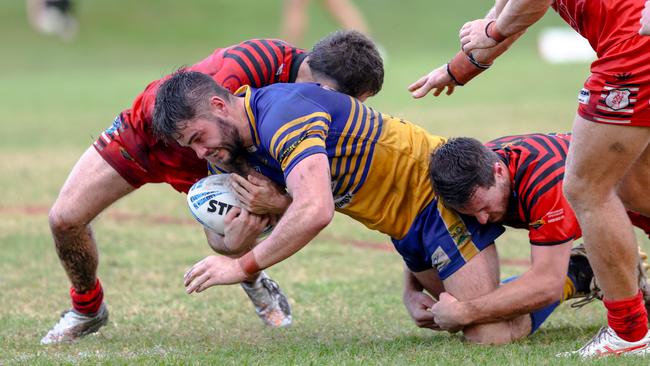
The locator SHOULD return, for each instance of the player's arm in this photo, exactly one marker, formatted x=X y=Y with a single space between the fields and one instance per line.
x=311 y=210
x=416 y=300
x=516 y=17
x=645 y=20
x=462 y=68
x=539 y=286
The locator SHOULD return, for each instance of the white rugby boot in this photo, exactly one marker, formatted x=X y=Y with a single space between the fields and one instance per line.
x=74 y=325
x=271 y=305
x=608 y=343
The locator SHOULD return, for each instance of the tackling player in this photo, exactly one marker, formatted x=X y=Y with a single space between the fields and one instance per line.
x=127 y=156
x=517 y=181
x=609 y=161
x=334 y=154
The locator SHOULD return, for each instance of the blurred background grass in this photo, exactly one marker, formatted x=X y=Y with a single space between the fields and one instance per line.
x=56 y=96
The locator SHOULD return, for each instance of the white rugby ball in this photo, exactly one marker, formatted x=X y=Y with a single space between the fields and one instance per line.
x=209 y=201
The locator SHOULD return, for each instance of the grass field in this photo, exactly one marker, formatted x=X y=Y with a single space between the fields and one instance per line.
x=345 y=287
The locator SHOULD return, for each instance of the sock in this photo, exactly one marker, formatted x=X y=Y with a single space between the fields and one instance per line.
x=628 y=317
x=539 y=316
x=89 y=301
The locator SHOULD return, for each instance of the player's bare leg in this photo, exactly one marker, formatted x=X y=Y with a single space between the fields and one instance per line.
x=599 y=157
x=348 y=15
x=634 y=190
x=478 y=277
x=295 y=21
x=91 y=187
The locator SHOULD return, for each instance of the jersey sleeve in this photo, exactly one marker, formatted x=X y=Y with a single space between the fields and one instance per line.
x=294 y=133
x=552 y=220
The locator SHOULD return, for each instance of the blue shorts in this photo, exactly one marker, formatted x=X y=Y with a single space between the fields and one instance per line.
x=442 y=239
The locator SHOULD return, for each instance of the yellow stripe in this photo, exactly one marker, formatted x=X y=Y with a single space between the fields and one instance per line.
x=458 y=232
x=292 y=123
x=245 y=89
x=304 y=145
x=348 y=123
x=368 y=147
x=351 y=141
x=305 y=128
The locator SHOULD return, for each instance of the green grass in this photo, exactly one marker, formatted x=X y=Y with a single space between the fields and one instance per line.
x=55 y=97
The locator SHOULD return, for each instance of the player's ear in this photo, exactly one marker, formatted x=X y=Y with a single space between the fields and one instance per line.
x=217 y=103
x=497 y=169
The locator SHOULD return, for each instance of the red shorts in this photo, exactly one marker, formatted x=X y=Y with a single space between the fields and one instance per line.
x=618 y=90
x=136 y=155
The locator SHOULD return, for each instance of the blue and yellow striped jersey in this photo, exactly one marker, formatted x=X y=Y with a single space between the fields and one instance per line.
x=379 y=164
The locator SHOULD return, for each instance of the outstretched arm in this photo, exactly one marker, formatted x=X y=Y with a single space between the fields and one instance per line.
x=462 y=68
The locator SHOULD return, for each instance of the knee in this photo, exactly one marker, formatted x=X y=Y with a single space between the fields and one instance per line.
x=63 y=221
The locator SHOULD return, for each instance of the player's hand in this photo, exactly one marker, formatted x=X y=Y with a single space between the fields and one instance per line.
x=472 y=36
x=447 y=313
x=241 y=229
x=645 y=20
x=437 y=79
x=418 y=304
x=211 y=271
x=259 y=195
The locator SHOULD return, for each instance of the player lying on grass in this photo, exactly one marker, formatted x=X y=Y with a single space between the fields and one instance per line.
x=127 y=156
x=517 y=181
x=609 y=158
x=332 y=153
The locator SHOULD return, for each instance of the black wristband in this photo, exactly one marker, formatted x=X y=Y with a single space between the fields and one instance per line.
x=452 y=76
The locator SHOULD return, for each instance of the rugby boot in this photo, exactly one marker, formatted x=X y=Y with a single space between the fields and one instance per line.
x=271 y=305
x=608 y=343
x=74 y=325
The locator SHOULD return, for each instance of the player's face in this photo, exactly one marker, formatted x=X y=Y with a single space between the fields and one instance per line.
x=489 y=204
x=214 y=139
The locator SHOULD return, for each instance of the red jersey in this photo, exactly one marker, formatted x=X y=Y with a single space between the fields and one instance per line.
x=129 y=145
x=603 y=23
x=536 y=165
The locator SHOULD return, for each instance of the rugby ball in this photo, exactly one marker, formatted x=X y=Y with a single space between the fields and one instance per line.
x=209 y=201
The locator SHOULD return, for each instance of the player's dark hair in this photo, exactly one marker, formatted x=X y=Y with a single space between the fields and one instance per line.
x=181 y=98
x=459 y=167
x=351 y=60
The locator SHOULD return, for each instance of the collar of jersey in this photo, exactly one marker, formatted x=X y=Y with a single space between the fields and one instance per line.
x=246 y=92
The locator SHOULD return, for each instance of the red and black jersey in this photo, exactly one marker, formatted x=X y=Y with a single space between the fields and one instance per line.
x=536 y=165
x=129 y=146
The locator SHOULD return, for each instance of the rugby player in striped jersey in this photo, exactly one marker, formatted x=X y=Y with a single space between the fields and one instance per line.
x=517 y=181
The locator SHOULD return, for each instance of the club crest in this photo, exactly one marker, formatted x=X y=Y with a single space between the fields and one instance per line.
x=618 y=99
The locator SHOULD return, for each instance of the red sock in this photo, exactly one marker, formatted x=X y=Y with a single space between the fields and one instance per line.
x=628 y=317
x=89 y=301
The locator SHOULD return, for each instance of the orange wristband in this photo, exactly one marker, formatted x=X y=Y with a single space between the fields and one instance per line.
x=248 y=263
x=492 y=32
x=463 y=68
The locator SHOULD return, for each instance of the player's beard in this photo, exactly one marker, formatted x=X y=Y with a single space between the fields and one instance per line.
x=235 y=160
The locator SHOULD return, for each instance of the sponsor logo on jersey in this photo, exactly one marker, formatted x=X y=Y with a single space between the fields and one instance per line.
x=618 y=99
x=439 y=259
x=342 y=201
x=583 y=96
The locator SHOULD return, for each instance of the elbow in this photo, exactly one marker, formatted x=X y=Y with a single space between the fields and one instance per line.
x=320 y=215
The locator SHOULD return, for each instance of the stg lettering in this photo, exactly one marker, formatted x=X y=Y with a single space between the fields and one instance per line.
x=223 y=207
